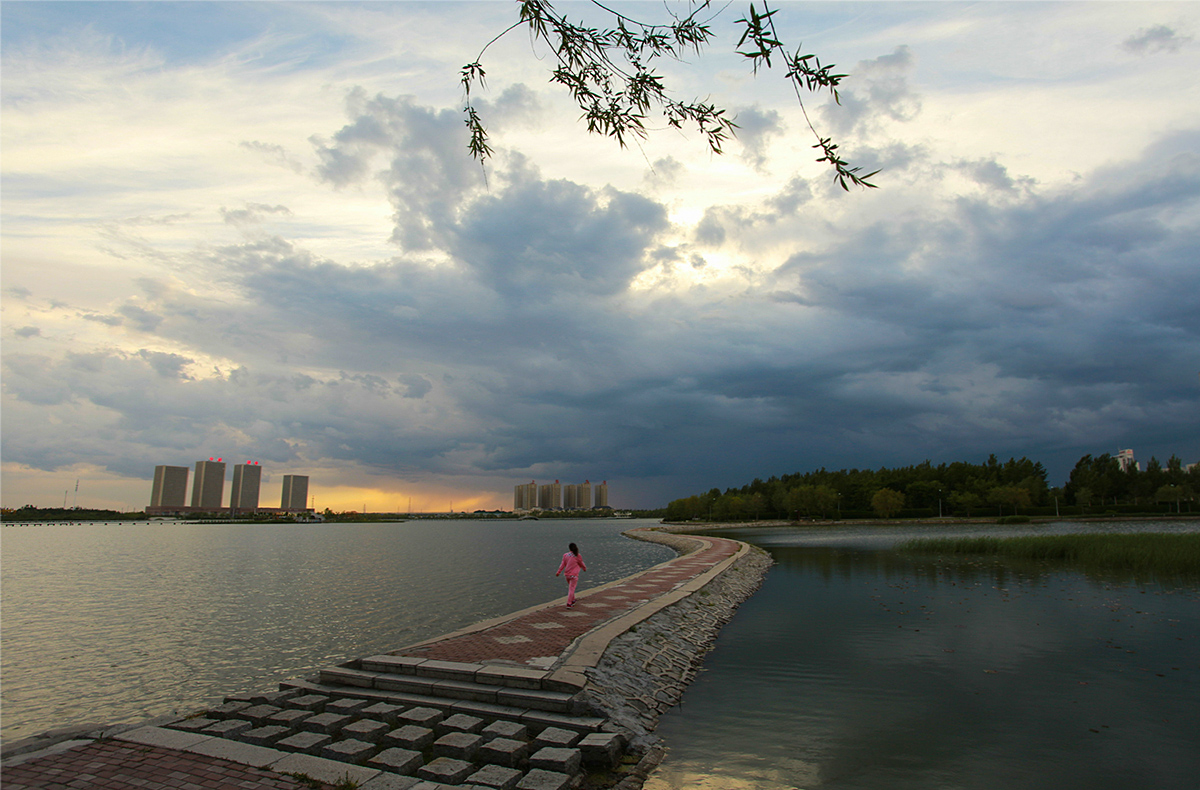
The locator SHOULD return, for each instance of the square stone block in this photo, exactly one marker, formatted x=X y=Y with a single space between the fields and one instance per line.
x=366 y=730
x=305 y=742
x=459 y=745
x=276 y=698
x=602 y=749
x=328 y=723
x=422 y=717
x=350 y=750
x=567 y=761
x=459 y=722
x=227 y=711
x=503 y=751
x=496 y=776
x=258 y=714
x=290 y=717
x=264 y=736
x=314 y=703
x=347 y=707
x=383 y=711
x=447 y=770
x=401 y=761
x=194 y=724
x=410 y=736
x=230 y=728
x=505 y=729
x=538 y=779
x=556 y=737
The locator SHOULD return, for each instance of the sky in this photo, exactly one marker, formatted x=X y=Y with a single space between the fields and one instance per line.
x=253 y=231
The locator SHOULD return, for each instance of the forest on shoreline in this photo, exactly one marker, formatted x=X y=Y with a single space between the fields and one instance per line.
x=1017 y=487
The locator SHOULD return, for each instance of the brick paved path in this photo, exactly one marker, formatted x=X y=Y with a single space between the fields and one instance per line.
x=114 y=765
x=543 y=634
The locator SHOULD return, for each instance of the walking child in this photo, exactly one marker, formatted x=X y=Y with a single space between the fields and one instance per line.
x=571 y=565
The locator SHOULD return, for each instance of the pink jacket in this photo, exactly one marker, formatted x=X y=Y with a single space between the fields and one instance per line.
x=571 y=564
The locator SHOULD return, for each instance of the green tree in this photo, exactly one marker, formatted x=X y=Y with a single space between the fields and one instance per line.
x=887 y=502
x=611 y=74
x=1169 y=493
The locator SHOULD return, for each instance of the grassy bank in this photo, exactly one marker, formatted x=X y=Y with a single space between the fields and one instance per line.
x=1140 y=553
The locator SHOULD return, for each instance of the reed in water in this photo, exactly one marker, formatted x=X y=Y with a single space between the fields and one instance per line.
x=1157 y=553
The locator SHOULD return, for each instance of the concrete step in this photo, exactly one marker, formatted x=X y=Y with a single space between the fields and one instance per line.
x=534 y=718
x=444 y=687
x=484 y=674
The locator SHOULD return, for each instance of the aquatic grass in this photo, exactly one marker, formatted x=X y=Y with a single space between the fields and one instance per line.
x=1157 y=553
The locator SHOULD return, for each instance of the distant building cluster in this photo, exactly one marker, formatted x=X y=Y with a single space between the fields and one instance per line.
x=556 y=496
x=169 y=494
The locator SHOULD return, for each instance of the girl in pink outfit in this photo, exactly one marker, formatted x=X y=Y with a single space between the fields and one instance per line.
x=571 y=564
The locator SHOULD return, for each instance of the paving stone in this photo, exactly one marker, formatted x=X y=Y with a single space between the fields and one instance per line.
x=459 y=722
x=305 y=742
x=422 y=717
x=401 y=761
x=503 y=751
x=350 y=750
x=227 y=711
x=567 y=761
x=244 y=696
x=264 y=736
x=290 y=718
x=258 y=714
x=496 y=776
x=383 y=711
x=447 y=770
x=556 y=737
x=230 y=728
x=602 y=749
x=366 y=730
x=506 y=729
x=459 y=745
x=331 y=772
x=538 y=779
x=328 y=723
x=314 y=703
x=349 y=707
x=194 y=724
x=394 y=782
x=277 y=698
x=410 y=736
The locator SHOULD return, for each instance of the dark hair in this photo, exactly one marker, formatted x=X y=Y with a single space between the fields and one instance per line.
x=574 y=549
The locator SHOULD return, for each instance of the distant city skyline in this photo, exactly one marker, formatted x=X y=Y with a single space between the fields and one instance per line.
x=257 y=227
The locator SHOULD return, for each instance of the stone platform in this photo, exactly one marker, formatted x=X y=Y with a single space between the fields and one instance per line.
x=520 y=702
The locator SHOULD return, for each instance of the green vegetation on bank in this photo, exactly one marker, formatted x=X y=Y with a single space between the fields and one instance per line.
x=1159 y=553
x=31 y=513
x=1017 y=487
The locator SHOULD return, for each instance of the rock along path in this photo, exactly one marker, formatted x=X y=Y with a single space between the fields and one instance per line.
x=561 y=644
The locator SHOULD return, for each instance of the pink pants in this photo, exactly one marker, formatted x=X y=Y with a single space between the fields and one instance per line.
x=571 y=582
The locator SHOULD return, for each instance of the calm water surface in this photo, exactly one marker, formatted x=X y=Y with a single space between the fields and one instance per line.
x=856 y=667
x=117 y=622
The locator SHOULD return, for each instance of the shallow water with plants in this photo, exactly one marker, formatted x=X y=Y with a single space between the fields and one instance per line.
x=857 y=666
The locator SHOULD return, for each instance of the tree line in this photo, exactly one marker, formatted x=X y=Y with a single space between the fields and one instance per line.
x=1012 y=487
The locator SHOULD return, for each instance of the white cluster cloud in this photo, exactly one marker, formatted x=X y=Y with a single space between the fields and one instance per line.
x=344 y=291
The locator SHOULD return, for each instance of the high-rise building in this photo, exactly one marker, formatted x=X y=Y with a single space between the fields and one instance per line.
x=584 y=499
x=208 y=484
x=570 y=496
x=243 y=494
x=525 y=496
x=602 y=494
x=1125 y=459
x=170 y=486
x=295 y=492
x=550 y=496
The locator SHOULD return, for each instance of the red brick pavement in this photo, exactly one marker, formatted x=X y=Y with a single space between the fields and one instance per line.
x=546 y=633
x=116 y=765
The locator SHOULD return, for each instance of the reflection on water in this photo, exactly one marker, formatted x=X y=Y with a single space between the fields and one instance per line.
x=122 y=621
x=855 y=667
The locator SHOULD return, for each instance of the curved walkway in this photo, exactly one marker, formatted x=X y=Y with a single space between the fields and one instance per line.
x=548 y=637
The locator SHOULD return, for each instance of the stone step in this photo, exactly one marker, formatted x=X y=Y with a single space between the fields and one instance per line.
x=484 y=674
x=533 y=698
x=535 y=718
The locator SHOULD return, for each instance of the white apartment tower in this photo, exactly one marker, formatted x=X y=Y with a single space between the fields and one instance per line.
x=243 y=495
x=295 y=492
x=602 y=494
x=208 y=484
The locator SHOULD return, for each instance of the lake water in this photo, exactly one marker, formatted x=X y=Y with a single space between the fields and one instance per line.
x=857 y=667
x=122 y=621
